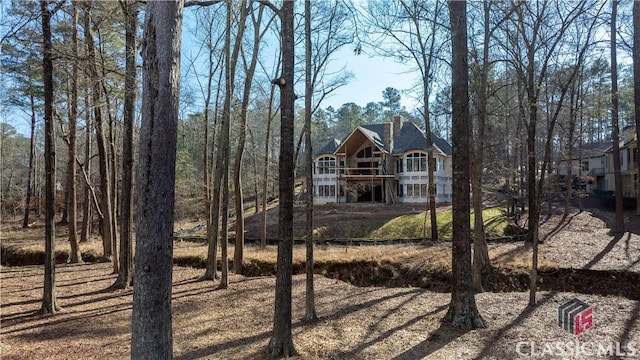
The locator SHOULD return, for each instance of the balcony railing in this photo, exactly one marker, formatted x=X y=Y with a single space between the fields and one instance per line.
x=596 y=172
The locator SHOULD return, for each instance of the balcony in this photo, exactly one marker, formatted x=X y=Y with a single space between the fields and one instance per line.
x=596 y=172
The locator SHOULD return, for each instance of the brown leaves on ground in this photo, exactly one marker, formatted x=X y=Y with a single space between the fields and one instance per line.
x=355 y=323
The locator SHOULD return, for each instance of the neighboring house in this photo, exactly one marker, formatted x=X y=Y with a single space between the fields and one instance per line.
x=595 y=163
x=384 y=163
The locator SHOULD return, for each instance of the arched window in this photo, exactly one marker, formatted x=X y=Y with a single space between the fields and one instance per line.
x=365 y=153
x=326 y=165
x=417 y=162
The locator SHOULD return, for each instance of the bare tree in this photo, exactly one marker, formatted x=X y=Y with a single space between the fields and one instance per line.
x=636 y=93
x=125 y=275
x=74 y=256
x=106 y=208
x=462 y=309
x=220 y=197
x=615 y=127
x=32 y=149
x=49 y=305
x=310 y=304
x=151 y=336
x=249 y=69
x=281 y=343
x=534 y=51
x=414 y=27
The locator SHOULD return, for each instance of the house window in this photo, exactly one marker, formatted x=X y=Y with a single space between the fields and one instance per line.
x=585 y=166
x=417 y=162
x=400 y=188
x=326 y=191
x=365 y=153
x=399 y=166
x=326 y=165
x=417 y=190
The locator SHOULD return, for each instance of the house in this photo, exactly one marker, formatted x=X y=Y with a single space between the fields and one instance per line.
x=595 y=163
x=383 y=163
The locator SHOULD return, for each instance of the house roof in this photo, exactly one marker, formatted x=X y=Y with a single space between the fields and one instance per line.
x=596 y=149
x=409 y=138
x=330 y=147
x=412 y=138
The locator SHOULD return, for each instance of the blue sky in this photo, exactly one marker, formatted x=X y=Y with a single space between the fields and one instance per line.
x=371 y=76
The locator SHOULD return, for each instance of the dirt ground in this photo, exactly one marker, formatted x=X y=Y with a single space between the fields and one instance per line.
x=355 y=322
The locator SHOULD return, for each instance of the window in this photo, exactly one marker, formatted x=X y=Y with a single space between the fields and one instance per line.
x=326 y=191
x=585 y=166
x=365 y=153
x=417 y=162
x=326 y=165
x=400 y=188
x=399 y=166
x=417 y=190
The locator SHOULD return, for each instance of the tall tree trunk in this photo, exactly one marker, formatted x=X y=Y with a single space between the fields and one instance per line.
x=481 y=262
x=32 y=150
x=212 y=219
x=49 y=305
x=222 y=160
x=151 y=336
x=615 y=128
x=310 y=302
x=125 y=275
x=85 y=232
x=72 y=204
x=281 y=343
x=430 y=174
x=265 y=173
x=636 y=93
x=105 y=182
x=462 y=309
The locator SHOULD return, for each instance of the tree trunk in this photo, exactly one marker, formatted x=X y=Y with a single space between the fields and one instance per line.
x=224 y=241
x=238 y=253
x=265 y=174
x=281 y=343
x=481 y=262
x=72 y=204
x=462 y=309
x=85 y=232
x=615 y=128
x=125 y=275
x=151 y=336
x=105 y=182
x=636 y=93
x=310 y=303
x=49 y=305
x=32 y=150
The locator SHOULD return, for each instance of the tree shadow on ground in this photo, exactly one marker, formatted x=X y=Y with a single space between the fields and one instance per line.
x=500 y=333
x=612 y=244
x=263 y=336
x=444 y=335
x=625 y=337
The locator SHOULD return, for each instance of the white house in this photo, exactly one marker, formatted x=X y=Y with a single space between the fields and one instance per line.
x=384 y=163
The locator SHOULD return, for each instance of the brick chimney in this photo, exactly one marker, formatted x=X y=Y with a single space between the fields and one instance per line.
x=397 y=124
x=388 y=135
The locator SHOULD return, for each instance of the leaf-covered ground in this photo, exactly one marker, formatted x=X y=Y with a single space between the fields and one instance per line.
x=582 y=260
x=355 y=322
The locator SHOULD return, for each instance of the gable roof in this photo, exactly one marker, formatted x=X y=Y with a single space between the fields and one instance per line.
x=330 y=147
x=412 y=138
x=409 y=138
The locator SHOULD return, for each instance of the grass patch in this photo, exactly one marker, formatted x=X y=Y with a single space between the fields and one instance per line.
x=412 y=226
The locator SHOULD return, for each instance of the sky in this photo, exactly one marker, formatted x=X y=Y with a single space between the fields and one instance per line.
x=371 y=76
